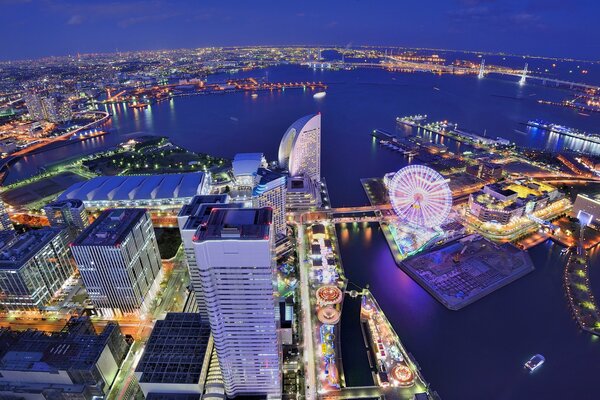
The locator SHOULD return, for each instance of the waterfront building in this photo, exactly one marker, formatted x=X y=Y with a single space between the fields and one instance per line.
x=586 y=209
x=300 y=148
x=270 y=191
x=190 y=217
x=302 y=193
x=234 y=251
x=119 y=261
x=167 y=192
x=5 y=223
x=73 y=364
x=244 y=168
x=176 y=357
x=68 y=213
x=503 y=202
x=33 y=267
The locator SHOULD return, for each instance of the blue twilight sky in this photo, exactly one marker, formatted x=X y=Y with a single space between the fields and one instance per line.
x=36 y=28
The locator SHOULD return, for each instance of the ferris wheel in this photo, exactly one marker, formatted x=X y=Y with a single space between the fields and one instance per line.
x=420 y=196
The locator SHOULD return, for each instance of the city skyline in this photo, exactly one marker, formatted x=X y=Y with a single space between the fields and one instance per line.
x=299 y=222
x=534 y=27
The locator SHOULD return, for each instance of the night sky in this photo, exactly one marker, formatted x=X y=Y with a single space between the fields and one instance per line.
x=37 y=28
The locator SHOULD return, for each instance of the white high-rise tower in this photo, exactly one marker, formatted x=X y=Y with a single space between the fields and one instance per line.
x=234 y=253
x=300 y=148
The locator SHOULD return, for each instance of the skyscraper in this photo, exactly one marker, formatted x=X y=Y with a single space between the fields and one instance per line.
x=5 y=223
x=234 y=251
x=300 y=148
x=33 y=266
x=49 y=107
x=189 y=219
x=119 y=261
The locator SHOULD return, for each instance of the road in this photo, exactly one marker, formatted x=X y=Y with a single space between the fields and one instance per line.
x=307 y=326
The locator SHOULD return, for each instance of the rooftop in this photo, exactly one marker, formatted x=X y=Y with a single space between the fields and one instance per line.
x=266 y=177
x=176 y=349
x=77 y=347
x=71 y=203
x=202 y=214
x=192 y=207
x=110 y=228
x=236 y=223
x=15 y=253
x=143 y=187
x=247 y=163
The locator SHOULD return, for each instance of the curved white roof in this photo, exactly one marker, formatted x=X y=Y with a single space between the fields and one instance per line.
x=137 y=187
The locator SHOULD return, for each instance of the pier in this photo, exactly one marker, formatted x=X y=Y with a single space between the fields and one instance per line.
x=579 y=293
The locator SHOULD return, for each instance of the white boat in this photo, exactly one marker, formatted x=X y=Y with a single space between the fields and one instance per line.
x=254 y=95
x=319 y=95
x=535 y=362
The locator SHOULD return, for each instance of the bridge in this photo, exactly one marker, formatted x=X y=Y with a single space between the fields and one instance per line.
x=393 y=63
x=572 y=179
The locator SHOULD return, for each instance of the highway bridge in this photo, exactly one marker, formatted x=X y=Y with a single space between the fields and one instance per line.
x=393 y=63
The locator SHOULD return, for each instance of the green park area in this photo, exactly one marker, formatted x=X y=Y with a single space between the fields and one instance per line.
x=151 y=155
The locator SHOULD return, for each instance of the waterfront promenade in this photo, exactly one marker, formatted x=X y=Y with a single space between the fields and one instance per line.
x=579 y=294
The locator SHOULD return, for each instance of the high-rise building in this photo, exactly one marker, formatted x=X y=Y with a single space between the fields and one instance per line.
x=33 y=266
x=68 y=213
x=300 y=148
x=270 y=191
x=5 y=223
x=234 y=251
x=49 y=107
x=119 y=261
x=76 y=363
x=176 y=357
x=257 y=186
x=189 y=219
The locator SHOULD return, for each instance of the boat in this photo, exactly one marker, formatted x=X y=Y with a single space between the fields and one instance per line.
x=319 y=95
x=535 y=362
x=254 y=95
x=138 y=105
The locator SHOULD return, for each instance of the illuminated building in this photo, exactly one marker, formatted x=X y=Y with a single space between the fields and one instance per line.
x=302 y=193
x=264 y=187
x=234 y=251
x=33 y=267
x=270 y=191
x=48 y=107
x=503 y=202
x=74 y=364
x=5 y=223
x=586 y=209
x=190 y=217
x=245 y=167
x=119 y=261
x=176 y=356
x=490 y=171
x=155 y=192
x=300 y=148
x=67 y=213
